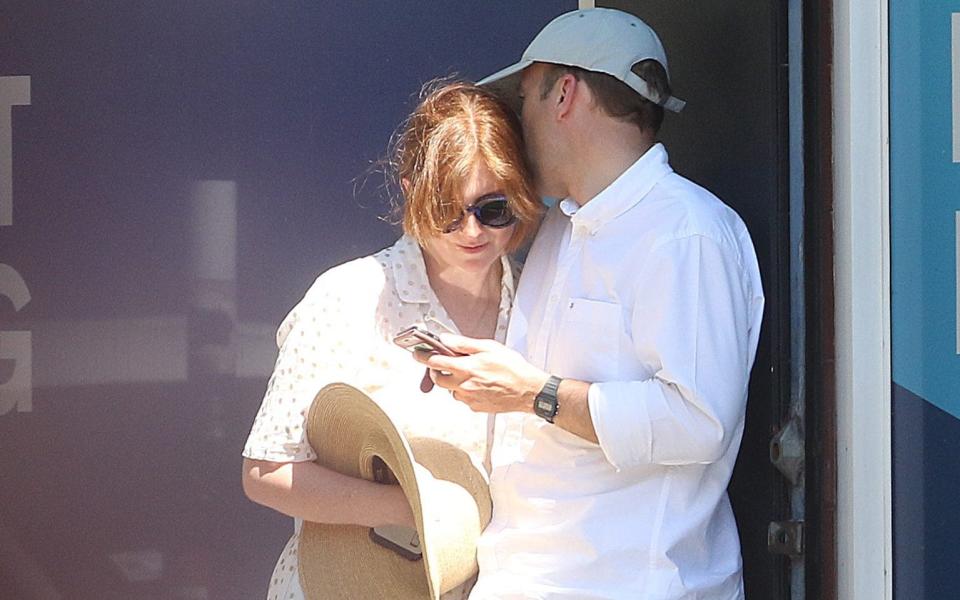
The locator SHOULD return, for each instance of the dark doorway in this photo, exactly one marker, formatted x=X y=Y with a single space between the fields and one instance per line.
x=728 y=60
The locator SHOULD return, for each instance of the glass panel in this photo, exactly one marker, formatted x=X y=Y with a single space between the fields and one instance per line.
x=172 y=178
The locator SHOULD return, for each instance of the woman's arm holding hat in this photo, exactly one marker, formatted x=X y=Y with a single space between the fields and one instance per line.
x=323 y=339
x=311 y=492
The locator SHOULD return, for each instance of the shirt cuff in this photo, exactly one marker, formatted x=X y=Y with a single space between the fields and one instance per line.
x=621 y=423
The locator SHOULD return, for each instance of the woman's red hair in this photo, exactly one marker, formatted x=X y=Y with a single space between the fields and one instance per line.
x=456 y=126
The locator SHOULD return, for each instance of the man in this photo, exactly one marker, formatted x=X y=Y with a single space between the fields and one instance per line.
x=620 y=400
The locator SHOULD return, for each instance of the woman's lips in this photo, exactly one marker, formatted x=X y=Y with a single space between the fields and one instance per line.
x=473 y=249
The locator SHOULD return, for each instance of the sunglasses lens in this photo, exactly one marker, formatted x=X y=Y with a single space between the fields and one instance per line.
x=492 y=211
x=495 y=213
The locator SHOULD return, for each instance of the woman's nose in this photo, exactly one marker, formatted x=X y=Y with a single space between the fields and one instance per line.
x=471 y=226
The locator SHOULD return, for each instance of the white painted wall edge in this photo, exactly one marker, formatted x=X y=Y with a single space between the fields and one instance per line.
x=862 y=278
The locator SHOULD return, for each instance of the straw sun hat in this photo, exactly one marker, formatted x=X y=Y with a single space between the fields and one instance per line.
x=352 y=435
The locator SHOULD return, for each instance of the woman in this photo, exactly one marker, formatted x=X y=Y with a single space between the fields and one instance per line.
x=468 y=201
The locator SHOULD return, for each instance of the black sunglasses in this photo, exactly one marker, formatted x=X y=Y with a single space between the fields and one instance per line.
x=491 y=210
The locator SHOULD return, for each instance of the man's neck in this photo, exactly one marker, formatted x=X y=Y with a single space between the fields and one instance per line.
x=604 y=157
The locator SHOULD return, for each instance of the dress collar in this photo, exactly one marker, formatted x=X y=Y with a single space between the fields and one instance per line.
x=623 y=194
x=410 y=273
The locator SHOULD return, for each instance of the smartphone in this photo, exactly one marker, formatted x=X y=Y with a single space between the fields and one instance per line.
x=417 y=338
x=402 y=540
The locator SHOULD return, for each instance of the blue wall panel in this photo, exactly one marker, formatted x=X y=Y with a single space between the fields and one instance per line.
x=926 y=488
x=925 y=200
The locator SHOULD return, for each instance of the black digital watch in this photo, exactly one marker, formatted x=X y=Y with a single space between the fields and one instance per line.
x=545 y=405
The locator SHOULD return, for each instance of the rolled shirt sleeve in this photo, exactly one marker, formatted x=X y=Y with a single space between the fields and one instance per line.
x=693 y=332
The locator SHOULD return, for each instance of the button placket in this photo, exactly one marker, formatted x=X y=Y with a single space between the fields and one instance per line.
x=559 y=291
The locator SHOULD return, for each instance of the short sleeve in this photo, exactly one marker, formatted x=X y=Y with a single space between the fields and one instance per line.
x=318 y=344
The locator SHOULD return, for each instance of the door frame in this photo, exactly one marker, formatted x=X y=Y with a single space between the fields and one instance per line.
x=861 y=219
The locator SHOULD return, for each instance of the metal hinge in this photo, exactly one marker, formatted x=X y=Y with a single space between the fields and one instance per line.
x=786 y=450
x=786 y=538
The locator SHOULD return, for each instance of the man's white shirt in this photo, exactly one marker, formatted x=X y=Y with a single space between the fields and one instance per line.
x=651 y=292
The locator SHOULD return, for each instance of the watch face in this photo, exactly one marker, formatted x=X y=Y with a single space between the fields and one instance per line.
x=544 y=406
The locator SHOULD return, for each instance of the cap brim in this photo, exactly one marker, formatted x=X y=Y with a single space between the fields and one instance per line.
x=506 y=83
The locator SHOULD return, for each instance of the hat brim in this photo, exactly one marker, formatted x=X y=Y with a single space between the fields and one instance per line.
x=448 y=495
x=506 y=83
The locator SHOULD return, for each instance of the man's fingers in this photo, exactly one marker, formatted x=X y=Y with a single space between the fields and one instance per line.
x=434 y=360
x=422 y=356
x=449 y=381
x=467 y=345
x=449 y=364
x=472 y=402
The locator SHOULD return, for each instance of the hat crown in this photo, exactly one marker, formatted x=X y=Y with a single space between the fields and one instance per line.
x=604 y=40
x=447 y=492
x=597 y=39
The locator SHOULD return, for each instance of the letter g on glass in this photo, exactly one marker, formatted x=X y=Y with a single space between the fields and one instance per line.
x=16 y=371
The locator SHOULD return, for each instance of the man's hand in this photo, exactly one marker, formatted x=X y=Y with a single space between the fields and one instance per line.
x=490 y=378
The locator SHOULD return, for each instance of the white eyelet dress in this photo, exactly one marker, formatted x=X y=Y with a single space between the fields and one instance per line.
x=342 y=330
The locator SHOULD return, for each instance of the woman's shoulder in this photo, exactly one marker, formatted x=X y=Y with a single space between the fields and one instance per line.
x=359 y=278
x=350 y=288
x=352 y=279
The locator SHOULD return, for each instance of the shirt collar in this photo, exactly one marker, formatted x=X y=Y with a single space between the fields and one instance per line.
x=623 y=194
x=410 y=273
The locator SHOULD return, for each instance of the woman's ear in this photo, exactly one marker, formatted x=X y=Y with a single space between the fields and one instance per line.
x=405 y=186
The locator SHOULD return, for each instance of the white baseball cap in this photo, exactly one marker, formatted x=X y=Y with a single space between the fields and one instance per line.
x=596 y=39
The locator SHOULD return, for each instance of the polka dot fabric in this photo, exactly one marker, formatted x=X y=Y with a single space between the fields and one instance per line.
x=343 y=330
